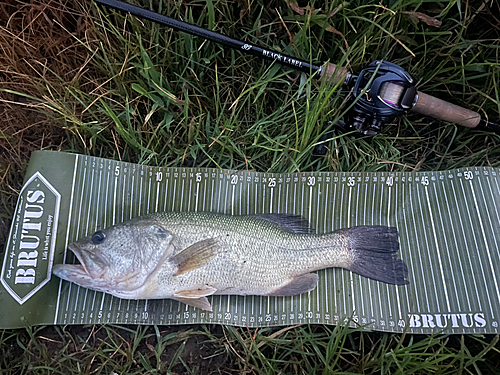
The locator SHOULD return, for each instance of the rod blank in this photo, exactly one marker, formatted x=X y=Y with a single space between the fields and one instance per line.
x=426 y=105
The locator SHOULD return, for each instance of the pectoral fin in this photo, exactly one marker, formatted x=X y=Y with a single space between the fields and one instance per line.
x=195 y=256
x=299 y=284
x=201 y=303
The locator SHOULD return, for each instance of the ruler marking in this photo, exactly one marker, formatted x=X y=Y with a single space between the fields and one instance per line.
x=429 y=258
x=123 y=184
x=240 y=189
x=295 y=212
x=86 y=233
x=358 y=278
x=70 y=211
x=76 y=236
x=84 y=301
x=318 y=298
x=271 y=200
x=396 y=291
x=149 y=195
x=309 y=297
x=197 y=197
x=465 y=243
x=310 y=203
x=302 y=194
x=343 y=283
x=106 y=205
x=380 y=223
x=219 y=195
x=351 y=279
x=279 y=210
x=477 y=247
x=90 y=203
x=489 y=217
x=139 y=208
x=166 y=193
x=419 y=254
x=485 y=242
x=371 y=223
x=173 y=194
x=157 y=194
x=324 y=231
x=498 y=218
x=438 y=250
x=212 y=195
x=456 y=246
x=204 y=193
x=182 y=195
x=494 y=201
x=98 y=210
x=102 y=300
x=412 y=267
x=391 y=291
x=447 y=247
x=132 y=197
x=255 y=199
x=190 y=193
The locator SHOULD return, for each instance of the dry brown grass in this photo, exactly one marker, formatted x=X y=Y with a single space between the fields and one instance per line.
x=39 y=52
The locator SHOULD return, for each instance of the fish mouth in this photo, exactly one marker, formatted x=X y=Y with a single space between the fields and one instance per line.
x=87 y=272
x=75 y=273
x=78 y=254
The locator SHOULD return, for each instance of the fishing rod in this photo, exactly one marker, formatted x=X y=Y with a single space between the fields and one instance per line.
x=380 y=93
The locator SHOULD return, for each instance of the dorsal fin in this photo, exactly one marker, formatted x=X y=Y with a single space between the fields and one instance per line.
x=288 y=222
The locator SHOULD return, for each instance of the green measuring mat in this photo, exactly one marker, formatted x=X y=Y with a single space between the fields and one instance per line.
x=448 y=223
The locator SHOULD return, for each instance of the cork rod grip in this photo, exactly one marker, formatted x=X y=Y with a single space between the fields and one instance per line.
x=428 y=105
x=336 y=74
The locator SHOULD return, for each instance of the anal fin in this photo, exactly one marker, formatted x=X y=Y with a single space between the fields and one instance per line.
x=300 y=284
x=201 y=291
x=201 y=303
x=196 y=297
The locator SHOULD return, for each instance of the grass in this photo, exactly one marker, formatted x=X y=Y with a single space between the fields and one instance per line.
x=77 y=77
x=227 y=350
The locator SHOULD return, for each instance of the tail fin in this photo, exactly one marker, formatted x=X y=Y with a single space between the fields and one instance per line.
x=375 y=254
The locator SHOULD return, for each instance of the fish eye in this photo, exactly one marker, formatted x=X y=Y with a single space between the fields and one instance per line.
x=98 y=238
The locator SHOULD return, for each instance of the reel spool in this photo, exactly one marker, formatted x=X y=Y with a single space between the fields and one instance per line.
x=390 y=94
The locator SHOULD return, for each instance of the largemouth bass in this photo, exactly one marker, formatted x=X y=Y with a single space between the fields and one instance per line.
x=188 y=256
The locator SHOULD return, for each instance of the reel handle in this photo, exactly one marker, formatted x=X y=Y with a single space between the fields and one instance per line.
x=431 y=106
